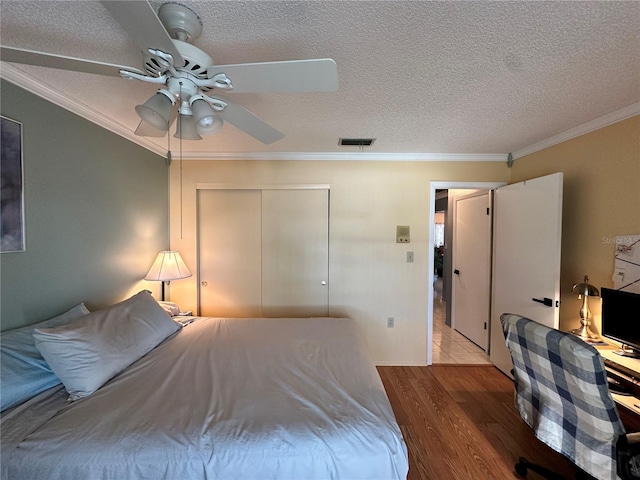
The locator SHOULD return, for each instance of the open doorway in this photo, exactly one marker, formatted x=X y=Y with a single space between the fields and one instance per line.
x=445 y=344
x=461 y=237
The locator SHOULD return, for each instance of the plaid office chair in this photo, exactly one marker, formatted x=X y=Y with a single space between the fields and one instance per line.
x=561 y=392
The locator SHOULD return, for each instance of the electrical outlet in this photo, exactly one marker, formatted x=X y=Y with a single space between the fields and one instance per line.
x=390 y=322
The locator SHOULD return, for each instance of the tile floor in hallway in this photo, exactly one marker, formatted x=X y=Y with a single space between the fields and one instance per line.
x=450 y=346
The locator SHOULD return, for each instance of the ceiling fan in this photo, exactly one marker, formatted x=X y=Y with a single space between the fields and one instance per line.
x=187 y=76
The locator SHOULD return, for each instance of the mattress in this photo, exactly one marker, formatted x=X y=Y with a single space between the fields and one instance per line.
x=284 y=398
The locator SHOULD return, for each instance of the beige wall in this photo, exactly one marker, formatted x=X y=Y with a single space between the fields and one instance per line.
x=369 y=278
x=601 y=200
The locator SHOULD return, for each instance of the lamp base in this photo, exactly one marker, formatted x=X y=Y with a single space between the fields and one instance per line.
x=584 y=333
x=164 y=282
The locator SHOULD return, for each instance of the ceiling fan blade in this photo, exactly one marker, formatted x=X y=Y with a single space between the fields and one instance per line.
x=30 y=57
x=145 y=129
x=143 y=25
x=314 y=75
x=249 y=123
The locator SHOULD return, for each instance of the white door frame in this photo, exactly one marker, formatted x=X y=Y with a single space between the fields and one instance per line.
x=432 y=206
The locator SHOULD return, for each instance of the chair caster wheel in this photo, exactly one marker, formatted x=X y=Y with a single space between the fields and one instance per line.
x=521 y=467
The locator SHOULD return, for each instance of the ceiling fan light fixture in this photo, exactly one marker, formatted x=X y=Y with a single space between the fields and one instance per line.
x=207 y=122
x=157 y=110
x=186 y=128
x=209 y=125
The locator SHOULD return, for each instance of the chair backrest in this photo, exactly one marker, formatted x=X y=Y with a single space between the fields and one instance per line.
x=562 y=394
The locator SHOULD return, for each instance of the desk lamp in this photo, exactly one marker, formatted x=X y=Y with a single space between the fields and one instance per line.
x=168 y=266
x=584 y=291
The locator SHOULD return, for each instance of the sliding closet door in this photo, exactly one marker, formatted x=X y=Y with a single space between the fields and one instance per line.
x=295 y=253
x=263 y=253
x=229 y=223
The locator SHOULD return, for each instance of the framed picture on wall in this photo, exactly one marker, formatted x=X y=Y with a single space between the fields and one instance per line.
x=12 y=231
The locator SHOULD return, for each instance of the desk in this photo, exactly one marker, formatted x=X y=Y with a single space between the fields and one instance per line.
x=626 y=371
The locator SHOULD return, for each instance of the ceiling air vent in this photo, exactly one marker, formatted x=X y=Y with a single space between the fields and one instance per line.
x=356 y=142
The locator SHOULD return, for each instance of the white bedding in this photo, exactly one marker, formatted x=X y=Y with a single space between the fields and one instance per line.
x=223 y=399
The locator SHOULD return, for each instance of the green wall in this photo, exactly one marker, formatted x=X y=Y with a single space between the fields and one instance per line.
x=96 y=209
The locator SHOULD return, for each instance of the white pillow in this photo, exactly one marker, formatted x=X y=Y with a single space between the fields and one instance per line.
x=88 y=352
x=171 y=308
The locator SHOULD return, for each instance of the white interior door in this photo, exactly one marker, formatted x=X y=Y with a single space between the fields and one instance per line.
x=295 y=253
x=472 y=268
x=229 y=260
x=526 y=269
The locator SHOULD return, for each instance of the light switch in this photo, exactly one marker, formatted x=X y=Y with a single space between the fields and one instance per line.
x=409 y=257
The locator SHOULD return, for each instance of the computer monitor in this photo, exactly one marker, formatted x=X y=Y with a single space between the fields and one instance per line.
x=621 y=319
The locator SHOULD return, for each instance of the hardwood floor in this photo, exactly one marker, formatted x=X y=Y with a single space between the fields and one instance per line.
x=459 y=422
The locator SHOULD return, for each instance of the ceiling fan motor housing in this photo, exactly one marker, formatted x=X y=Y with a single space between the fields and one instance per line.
x=196 y=63
x=180 y=22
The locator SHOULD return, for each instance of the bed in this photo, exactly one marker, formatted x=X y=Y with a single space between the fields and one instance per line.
x=252 y=398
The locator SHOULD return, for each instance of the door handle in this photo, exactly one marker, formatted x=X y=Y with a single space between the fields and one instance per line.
x=456 y=271
x=323 y=283
x=546 y=301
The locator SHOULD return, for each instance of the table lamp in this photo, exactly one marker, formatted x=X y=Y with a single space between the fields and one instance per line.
x=584 y=291
x=167 y=266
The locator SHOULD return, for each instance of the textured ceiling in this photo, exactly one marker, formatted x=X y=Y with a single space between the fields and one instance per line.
x=420 y=77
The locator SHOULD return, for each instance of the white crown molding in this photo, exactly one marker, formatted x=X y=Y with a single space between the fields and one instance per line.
x=600 y=122
x=345 y=156
x=37 y=87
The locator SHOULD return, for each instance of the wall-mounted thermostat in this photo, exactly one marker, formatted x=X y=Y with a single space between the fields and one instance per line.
x=402 y=234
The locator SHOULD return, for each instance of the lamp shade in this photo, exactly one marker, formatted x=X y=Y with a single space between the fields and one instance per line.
x=585 y=289
x=156 y=111
x=186 y=128
x=168 y=266
x=207 y=122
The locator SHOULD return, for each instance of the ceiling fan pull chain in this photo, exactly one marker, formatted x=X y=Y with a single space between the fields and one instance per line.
x=180 y=142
